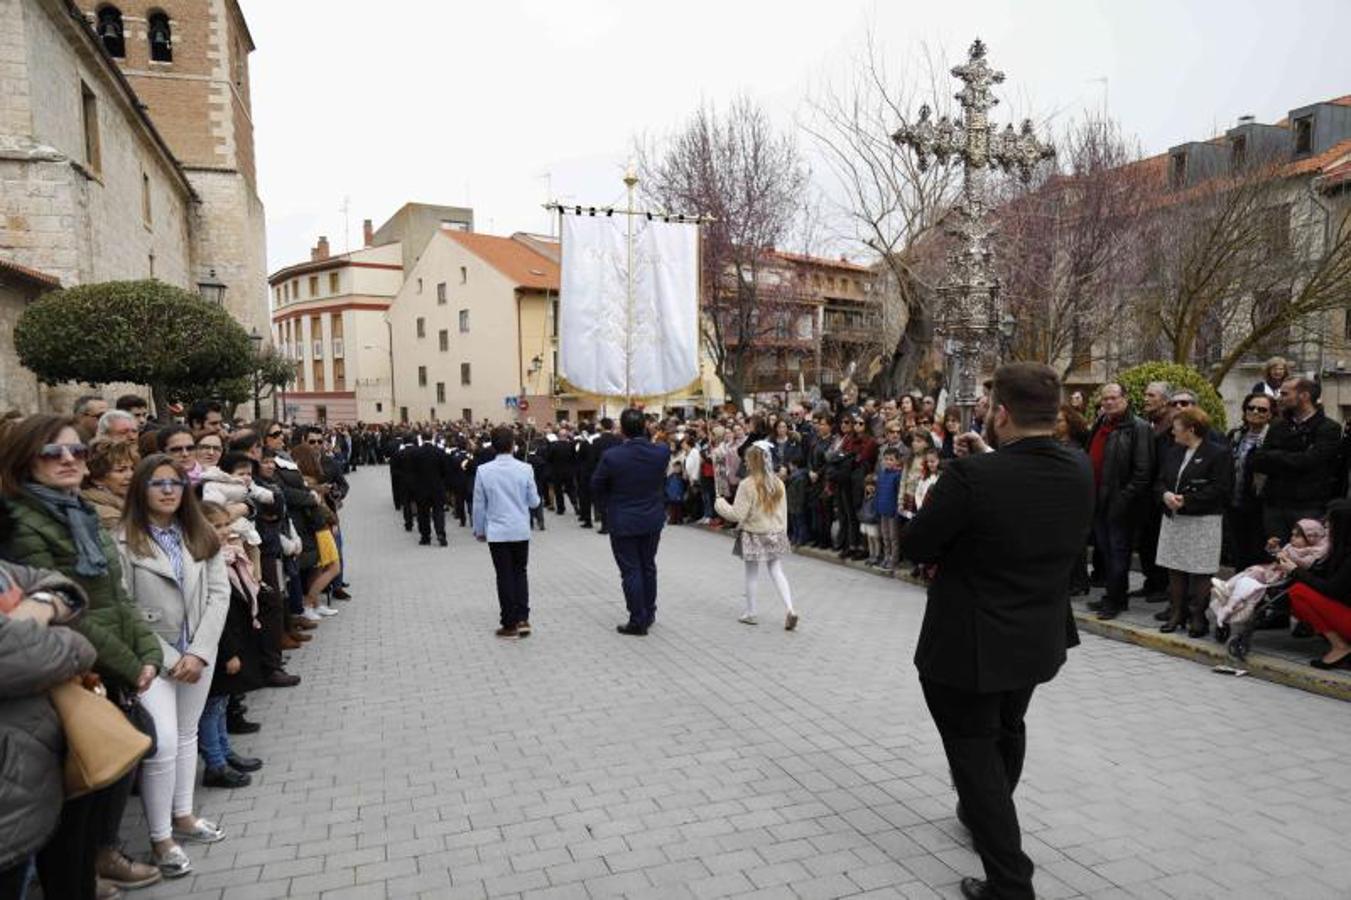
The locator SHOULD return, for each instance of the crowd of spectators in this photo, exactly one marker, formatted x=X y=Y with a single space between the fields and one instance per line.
x=173 y=565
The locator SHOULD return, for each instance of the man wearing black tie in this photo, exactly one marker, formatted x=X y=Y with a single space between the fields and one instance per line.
x=1004 y=529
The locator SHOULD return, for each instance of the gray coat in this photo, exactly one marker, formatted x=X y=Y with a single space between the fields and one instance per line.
x=33 y=659
x=204 y=599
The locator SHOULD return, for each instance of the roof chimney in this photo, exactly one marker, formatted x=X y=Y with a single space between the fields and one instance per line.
x=367 y=233
x=321 y=249
x=1247 y=120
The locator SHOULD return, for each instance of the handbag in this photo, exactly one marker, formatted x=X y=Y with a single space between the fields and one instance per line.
x=101 y=745
x=139 y=717
x=736 y=544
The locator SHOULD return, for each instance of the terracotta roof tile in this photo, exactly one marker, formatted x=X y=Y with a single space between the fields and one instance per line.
x=515 y=259
x=33 y=276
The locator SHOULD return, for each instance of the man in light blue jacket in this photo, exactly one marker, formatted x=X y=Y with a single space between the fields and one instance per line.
x=504 y=495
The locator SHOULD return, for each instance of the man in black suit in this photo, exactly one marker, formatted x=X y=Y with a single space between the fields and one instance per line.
x=426 y=473
x=399 y=480
x=603 y=442
x=1004 y=529
x=586 y=467
x=628 y=484
x=562 y=456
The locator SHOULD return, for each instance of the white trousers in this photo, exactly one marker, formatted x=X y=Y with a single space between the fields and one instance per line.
x=776 y=575
x=168 y=777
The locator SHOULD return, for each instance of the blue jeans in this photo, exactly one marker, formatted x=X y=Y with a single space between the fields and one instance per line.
x=212 y=737
x=710 y=493
x=1114 y=539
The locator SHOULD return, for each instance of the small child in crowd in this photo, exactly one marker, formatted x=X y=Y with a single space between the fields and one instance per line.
x=868 y=521
x=1232 y=601
x=889 y=507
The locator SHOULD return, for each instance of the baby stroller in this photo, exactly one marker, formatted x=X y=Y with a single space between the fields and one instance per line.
x=1269 y=611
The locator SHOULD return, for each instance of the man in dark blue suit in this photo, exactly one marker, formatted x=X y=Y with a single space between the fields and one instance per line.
x=628 y=484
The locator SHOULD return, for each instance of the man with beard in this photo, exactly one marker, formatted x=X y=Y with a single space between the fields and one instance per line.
x=1003 y=528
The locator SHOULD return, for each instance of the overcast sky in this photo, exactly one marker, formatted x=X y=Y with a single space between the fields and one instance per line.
x=496 y=104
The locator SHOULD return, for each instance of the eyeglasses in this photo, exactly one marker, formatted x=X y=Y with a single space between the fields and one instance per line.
x=1265 y=410
x=314 y=443
x=54 y=452
x=184 y=448
x=168 y=485
x=275 y=434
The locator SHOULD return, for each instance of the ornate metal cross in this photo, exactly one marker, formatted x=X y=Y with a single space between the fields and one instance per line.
x=970 y=314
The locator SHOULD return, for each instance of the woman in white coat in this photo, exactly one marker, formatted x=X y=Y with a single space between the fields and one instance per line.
x=761 y=509
x=178 y=581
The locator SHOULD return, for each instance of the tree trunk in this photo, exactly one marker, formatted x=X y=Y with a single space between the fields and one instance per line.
x=159 y=394
x=915 y=344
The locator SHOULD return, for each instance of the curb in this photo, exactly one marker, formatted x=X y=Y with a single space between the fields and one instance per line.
x=1258 y=665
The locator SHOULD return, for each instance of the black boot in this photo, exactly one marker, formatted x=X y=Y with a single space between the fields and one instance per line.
x=225 y=777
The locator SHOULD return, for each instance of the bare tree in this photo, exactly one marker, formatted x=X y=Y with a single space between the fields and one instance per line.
x=1063 y=244
x=1230 y=265
x=889 y=204
x=750 y=178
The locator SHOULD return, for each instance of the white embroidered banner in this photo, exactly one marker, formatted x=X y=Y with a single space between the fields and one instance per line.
x=606 y=349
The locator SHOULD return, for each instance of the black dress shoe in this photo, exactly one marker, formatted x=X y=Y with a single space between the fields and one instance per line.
x=424 y=542
x=442 y=542
x=340 y=593
x=631 y=629
x=225 y=777
x=1197 y=631
x=1343 y=663
x=1107 y=613
x=602 y=530
x=241 y=725
x=1093 y=605
x=977 y=889
x=243 y=763
x=279 y=678
x=586 y=524
x=1162 y=615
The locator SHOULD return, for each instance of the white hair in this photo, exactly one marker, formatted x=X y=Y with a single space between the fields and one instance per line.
x=114 y=415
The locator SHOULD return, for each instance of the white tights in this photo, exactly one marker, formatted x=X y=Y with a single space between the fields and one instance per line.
x=776 y=575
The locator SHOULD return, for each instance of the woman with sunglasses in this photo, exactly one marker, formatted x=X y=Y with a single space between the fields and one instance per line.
x=177 y=442
x=178 y=581
x=42 y=465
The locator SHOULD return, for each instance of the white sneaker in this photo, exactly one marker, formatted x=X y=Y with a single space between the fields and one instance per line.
x=747 y=619
x=326 y=611
x=311 y=614
x=173 y=864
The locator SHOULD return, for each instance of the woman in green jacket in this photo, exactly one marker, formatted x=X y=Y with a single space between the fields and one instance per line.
x=42 y=465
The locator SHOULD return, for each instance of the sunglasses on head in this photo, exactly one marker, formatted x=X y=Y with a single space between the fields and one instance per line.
x=168 y=484
x=53 y=452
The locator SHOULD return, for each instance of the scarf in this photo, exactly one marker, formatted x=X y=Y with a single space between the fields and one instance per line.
x=82 y=522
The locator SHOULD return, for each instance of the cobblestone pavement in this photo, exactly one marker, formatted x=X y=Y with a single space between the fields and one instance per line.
x=423 y=757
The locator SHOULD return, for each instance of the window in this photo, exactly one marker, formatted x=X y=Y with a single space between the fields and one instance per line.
x=419 y=285
x=464 y=373
x=339 y=375
x=403 y=414
x=321 y=413
x=467 y=414
x=145 y=199
x=332 y=282
x=89 y=118
x=1304 y=135
x=421 y=376
x=152 y=264
x=110 y=31
x=314 y=285
x=161 y=47
x=440 y=392
x=443 y=338
x=318 y=383
x=441 y=293
x=421 y=327
x=379 y=407
x=464 y=321
x=464 y=275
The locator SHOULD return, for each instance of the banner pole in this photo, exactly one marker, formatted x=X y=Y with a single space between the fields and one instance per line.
x=630 y=181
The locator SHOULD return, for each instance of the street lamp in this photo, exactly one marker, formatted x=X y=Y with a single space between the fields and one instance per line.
x=211 y=289
x=257 y=340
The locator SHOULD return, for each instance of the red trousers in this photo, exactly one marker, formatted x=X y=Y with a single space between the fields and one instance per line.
x=1322 y=613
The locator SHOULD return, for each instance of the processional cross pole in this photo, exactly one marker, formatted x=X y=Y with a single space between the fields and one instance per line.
x=970 y=313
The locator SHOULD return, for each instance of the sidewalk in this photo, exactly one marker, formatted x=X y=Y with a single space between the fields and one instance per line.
x=1275 y=656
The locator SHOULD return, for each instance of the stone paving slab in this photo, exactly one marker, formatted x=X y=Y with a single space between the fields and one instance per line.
x=422 y=757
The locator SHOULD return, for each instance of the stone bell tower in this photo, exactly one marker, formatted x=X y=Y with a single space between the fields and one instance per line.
x=188 y=61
